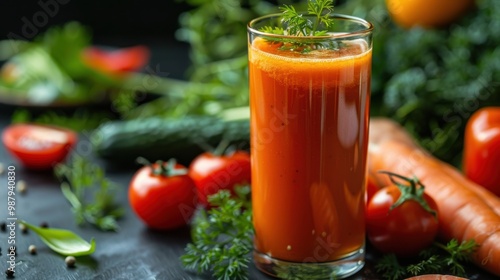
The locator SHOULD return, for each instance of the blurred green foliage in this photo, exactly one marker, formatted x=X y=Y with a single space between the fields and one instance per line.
x=430 y=81
x=49 y=71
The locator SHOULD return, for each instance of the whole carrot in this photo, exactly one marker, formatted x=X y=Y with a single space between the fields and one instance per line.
x=387 y=130
x=465 y=211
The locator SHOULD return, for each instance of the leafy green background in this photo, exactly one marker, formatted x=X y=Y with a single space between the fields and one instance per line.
x=429 y=80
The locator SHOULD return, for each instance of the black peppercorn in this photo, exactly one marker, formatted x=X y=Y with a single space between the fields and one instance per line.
x=32 y=249
x=70 y=261
x=3 y=226
x=23 y=228
x=9 y=273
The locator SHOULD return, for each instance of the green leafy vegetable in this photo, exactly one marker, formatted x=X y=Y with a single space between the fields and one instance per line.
x=438 y=258
x=218 y=76
x=299 y=25
x=80 y=120
x=222 y=238
x=390 y=268
x=432 y=80
x=63 y=241
x=428 y=80
x=49 y=69
x=81 y=179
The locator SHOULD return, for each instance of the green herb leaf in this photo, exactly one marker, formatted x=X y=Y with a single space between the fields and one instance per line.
x=79 y=120
x=63 y=241
x=449 y=258
x=80 y=179
x=222 y=237
x=298 y=25
x=458 y=254
x=390 y=268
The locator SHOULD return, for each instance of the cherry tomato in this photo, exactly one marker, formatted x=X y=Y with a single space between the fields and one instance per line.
x=212 y=173
x=371 y=188
x=116 y=61
x=405 y=228
x=38 y=146
x=163 y=195
x=427 y=13
x=482 y=148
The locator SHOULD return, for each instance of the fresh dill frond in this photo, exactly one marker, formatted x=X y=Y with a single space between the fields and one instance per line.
x=299 y=25
x=390 y=268
x=315 y=23
x=439 y=258
x=322 y=11
x=90 y=193
x=222 y=237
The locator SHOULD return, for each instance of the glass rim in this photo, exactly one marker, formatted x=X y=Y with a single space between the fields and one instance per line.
x=368 y=28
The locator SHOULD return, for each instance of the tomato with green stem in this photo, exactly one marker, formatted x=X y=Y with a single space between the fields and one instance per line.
x=163 y=195
x=215 y=171
x=371 y=187
x=402 y=218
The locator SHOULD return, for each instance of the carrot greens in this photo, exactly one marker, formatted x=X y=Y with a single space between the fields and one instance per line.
x=80 y=179
x=436 y=259
x=298 y=25
x=222 y=237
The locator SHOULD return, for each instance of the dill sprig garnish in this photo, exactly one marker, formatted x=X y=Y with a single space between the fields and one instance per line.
x=299 y=25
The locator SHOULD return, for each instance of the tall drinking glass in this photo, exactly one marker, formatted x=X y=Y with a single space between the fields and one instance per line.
x=309 y=101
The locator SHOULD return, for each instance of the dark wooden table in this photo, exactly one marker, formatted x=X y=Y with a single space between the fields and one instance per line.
x=135 y=252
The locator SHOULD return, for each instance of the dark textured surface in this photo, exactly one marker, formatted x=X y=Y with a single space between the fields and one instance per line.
x=132 y=253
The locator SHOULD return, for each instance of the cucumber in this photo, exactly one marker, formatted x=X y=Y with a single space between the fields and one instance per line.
x=162 y=139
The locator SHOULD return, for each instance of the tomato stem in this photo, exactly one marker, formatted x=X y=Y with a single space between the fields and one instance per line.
x=221 y=148
x=162 y=168
x=413 y=190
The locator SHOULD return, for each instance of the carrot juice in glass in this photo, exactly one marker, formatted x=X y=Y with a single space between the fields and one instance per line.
x=309 y=102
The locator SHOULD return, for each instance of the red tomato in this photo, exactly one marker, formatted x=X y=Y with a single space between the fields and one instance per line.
x=406 y=229
x=481 y=158
x=116 y=61
x=163 y=197
x=371 y=188
x=212 y=173
x=38 y=146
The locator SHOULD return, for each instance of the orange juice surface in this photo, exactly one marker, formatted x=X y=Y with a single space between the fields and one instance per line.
x=309 y=136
